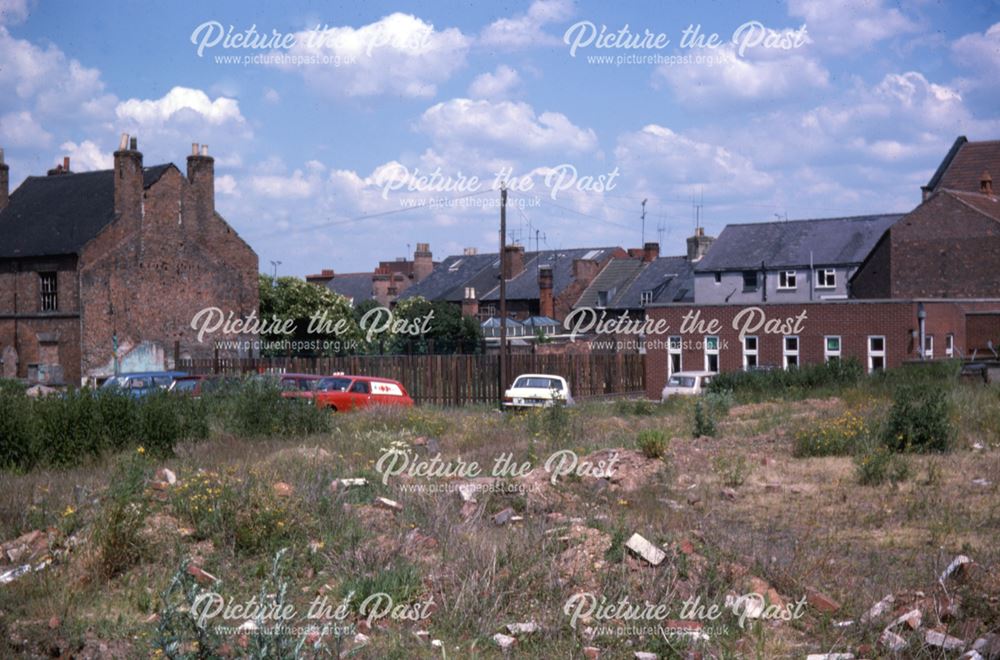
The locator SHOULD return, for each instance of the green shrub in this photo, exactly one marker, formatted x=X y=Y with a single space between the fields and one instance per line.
x=652 y=443
x=19 y=432
x=704 y=424
x=118 y=530
x=879 y=465
x=918 y=420
x=840 y=436
x=732 y=469
x=255 y=408
x=788 y=383
x=640 y=407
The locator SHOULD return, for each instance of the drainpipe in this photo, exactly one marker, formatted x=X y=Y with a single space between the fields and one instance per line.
x=763 y=285
x=921 y=324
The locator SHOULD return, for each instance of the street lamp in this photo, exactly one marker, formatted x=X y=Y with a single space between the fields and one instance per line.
x=274 y=278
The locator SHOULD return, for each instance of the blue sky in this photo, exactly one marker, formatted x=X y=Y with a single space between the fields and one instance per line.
x=318 y=165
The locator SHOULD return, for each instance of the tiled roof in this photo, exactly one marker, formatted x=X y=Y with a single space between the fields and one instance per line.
x=964 y=165
x=796 y=243
x=671 y=279
x=54 y=215
x=613 y=278
x=988 y=205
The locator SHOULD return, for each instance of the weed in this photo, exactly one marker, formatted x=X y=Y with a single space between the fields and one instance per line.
x=652 y=443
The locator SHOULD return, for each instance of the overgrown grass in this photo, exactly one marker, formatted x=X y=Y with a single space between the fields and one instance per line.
x=797 y=383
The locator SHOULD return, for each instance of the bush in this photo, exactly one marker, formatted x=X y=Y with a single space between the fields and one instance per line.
x=118 y=530
x=878 y=465
x=704 y=424
x=918 y=420
x=641 y=407
x=19 y=431
x=732 y=469
x=255 y=408
x=652 y=443
x=840 y=436
x=788 y=383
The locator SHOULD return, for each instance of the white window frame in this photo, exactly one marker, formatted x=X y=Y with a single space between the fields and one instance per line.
x=929 y=347
x=747 y=352
x=710 y=351
x=646 y=297
x=829 y=354
x=876 y=354
x=786 y=353
x=830 y=275
x=949 y=345
x=675 y=346
x=784 y=277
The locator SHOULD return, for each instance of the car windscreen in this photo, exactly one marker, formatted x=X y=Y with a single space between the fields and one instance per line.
x=333 y=384
x=185 y=385
x=681 y=381
x=539 y=383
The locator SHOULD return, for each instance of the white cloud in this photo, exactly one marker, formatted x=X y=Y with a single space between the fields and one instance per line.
x=980 y=54
x=399 y=54
x=271 y=95
x=178 y=101
x=658 y=160
x=296 y=186
x=20 y=129
x=86 y=156
x=507 y=125
x=13 y=11
x=760 y=76
x=499 y=84
x=850 y=25
x=527 y=30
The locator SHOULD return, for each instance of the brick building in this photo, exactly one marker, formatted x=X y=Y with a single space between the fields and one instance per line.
x=385 y=284
x=924 y=285
x=106 y=269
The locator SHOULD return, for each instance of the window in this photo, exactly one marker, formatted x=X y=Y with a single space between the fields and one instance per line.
x=749 y=353
x=712 y=353
x=361 y=387
x=646 y=297
x=718 y=277
x=831 y=348
x=749 y=280
x=602 y=298
x=791 y=351
x=929 y=347
x=47 y=287
x=788 y=280
x=949 y=346
x=876 y=353
x=826 y=278
x=675 y=361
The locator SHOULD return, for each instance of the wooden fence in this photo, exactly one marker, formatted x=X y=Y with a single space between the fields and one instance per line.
x=451 y=380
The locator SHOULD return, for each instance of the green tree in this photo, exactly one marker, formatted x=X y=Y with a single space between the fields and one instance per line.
x=300 y=301
x=447 y=332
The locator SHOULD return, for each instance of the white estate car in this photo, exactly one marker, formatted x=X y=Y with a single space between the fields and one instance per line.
x=686 y=383
x=537 y=391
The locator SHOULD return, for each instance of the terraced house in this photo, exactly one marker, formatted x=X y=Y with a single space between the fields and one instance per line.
x=104 y=270
x=883 y=289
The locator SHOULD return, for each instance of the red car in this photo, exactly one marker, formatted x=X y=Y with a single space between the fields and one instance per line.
x=343 y=392
x=298 y=386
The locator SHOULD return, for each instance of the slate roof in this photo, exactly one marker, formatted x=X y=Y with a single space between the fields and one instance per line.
x=963 y=166
x=56 y=215
x=796 y=243
x=449 y=279
x=356 y=286
x=613 y=278
x=671 y=279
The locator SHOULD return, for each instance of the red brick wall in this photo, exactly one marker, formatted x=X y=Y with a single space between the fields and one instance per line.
x=853 y=321
x=144 y=278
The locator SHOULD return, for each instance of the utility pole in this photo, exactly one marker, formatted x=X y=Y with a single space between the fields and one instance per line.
x=503 y=293
x=643 y=243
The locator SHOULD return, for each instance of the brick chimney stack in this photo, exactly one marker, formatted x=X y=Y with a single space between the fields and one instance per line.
x=470 y=305
x=546 y=305
x=423 y=262
x=650 y=252
x=128 y=177
x=4 y=182
x=986 y=183
x=201 y=176
x=584 y=270
x=698 y=244
x=60 y=169
x=513 y=261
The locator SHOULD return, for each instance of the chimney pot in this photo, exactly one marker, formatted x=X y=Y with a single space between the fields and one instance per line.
x=4 y=183
x=204 y=150
x=123 y=142
x=1 y=157
x=66 y=163
x=194 y=148
x=133 y=144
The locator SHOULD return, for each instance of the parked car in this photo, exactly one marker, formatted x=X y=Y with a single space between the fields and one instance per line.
x=537 y=391
x=298 y=386
x=343 y=392
x=196 y=386
x=141 y=383
x=686 y=383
